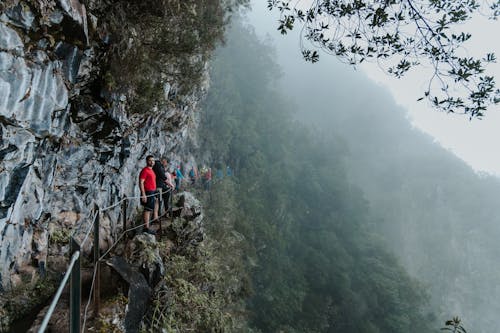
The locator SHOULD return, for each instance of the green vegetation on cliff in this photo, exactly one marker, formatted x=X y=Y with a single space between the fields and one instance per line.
x=161 y=43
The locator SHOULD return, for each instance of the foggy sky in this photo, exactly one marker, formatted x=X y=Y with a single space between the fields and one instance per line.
x=476 y=141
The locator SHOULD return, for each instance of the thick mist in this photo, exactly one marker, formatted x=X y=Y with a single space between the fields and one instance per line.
x=306 y=255
x=440 y=218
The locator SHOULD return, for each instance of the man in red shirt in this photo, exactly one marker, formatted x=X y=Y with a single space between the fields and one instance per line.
x=147 y=184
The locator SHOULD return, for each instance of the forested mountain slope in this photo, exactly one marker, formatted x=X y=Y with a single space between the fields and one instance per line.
x=440 y=217
x=311 y=261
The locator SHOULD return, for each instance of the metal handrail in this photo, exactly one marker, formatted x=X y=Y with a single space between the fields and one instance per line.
x=52 y=307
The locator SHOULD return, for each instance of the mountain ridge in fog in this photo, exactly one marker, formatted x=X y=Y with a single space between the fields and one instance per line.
x=435 y=212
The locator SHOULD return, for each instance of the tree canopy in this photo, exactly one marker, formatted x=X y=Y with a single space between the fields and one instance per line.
x=399 y=35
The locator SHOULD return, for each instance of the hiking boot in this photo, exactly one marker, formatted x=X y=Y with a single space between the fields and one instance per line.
x=149 y=231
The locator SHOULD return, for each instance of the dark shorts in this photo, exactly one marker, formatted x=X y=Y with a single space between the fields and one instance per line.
x=149 y=205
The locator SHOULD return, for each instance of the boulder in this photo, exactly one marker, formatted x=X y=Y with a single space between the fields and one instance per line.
x=144 y=254
x=139 y=293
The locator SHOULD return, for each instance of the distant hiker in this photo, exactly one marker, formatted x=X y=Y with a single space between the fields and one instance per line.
x=170 y=182
x=173 y=176
x=163 y=181
x=178 y=178
x=208 y=179
x=147 y=185
x=196 y=172
x=203 y=172
x=192 y=175
x=219 y=174
x=229 y=172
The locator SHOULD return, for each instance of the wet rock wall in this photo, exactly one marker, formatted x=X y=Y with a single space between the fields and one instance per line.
x=66 y=143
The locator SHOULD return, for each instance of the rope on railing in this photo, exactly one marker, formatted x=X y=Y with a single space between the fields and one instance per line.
x=89 y=298
x=87 y=234
x=129 y=198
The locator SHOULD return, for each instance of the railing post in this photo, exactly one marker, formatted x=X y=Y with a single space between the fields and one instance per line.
x=170 y=205
x=97 y=254
x=75 y=290
x=160 y=202
x=124 y=213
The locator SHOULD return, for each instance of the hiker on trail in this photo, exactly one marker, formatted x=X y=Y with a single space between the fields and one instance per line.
x=208 y=179
x=219 y=174
x=229 y=172
x=163 y=181
x=203 y=172
x=147 y=185
x=170 y=182
x=173 y=177
x=196 y=172
x=192 y=175
x=178 y=178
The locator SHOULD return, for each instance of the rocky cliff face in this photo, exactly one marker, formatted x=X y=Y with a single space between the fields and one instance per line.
x=68 y=137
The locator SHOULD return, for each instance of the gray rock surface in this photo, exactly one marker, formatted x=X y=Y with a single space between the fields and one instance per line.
x=75 y=10
x=64 y=146
x=188 y=228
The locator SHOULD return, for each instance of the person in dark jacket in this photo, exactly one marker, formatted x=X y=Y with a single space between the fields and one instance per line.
x=163 y=181
x=192 y=176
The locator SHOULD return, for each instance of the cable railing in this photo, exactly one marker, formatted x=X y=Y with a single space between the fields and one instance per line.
x=74 y=266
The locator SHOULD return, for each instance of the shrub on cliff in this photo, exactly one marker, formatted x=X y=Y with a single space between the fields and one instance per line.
x=160 y=42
